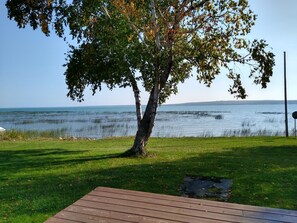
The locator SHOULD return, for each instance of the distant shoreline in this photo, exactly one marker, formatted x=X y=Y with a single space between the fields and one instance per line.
x=228 y=102
x=241 y=102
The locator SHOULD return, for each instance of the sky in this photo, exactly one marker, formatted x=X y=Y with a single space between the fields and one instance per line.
x=31 y=65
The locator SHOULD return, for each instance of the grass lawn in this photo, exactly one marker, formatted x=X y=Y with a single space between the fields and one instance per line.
x=40 y=177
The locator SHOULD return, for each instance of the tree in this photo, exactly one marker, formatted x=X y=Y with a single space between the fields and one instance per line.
x=156 y=43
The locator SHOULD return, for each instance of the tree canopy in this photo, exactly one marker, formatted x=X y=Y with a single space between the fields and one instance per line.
x=158 y=44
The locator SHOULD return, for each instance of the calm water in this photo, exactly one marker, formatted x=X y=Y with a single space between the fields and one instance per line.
x=204 y=119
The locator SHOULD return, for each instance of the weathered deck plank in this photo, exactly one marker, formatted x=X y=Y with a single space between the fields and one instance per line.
x=117 y=205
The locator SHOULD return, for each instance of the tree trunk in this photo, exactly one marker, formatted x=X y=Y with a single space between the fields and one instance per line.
x=146 y=126
x=148 y=120
x=137 y=101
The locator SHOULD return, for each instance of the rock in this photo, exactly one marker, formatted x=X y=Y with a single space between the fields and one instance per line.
x=2 y=129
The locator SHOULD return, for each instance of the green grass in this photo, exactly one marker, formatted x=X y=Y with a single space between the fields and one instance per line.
x=38 y=178
x=31 y=134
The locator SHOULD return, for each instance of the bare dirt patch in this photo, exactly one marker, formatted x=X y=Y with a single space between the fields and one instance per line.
x=206 y=187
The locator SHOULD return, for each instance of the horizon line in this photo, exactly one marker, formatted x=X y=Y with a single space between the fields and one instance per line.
x=170 y=104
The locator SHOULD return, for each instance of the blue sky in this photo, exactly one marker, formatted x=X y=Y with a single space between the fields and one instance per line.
x=31 y=71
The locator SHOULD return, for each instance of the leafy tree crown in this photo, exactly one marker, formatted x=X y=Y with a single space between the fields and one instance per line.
x=120 y=42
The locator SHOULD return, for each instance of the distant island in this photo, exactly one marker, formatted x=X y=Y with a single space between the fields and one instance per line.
x=237 y=102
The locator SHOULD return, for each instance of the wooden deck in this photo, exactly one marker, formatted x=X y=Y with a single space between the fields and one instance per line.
x=116 y=205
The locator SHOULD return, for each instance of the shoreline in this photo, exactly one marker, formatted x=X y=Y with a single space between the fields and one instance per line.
x=221 y=102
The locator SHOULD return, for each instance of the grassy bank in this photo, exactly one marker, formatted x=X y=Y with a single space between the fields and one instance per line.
x=42 y=176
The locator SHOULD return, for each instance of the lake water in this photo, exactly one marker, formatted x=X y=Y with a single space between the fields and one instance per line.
x=197 y=119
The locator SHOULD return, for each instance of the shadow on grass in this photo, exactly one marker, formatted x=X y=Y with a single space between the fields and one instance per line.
x=12 y=161
x=265 y=176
